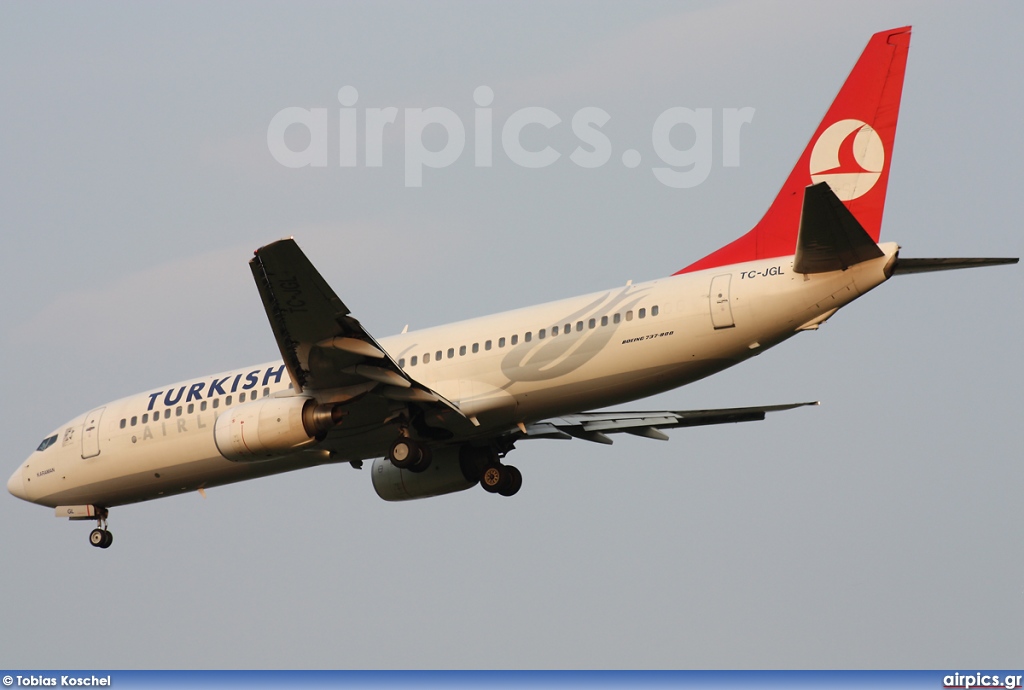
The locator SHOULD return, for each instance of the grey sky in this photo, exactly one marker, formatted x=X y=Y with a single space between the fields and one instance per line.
x=882 y=529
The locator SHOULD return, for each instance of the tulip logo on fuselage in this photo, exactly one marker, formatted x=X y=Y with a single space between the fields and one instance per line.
x=849 y=156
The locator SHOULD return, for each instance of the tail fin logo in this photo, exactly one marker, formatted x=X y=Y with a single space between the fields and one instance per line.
x=849 y=155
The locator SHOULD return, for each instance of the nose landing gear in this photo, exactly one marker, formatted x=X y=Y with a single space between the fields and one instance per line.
x=101 y=536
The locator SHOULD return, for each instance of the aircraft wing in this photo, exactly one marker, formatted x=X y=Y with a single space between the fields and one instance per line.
x=594 y=426
x=323 y=346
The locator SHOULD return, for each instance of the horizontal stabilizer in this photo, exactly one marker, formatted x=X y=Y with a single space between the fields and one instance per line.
x=929 y=265
x=594 y=426
x=830 y=238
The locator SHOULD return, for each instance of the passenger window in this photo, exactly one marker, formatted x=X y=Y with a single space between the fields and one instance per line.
x=227 y=401
x=216 y=403
x=554 y=331
x=241 y=397
x=642 y=313
x=579 y=325
x=604 y=320
x=515 y=340
x=135 y=420
x=568 y=329
x=401 y=362
x=476 y=348
x=462 y=350
x=202 y=405
x=528 y=337
x=487 y=345
x=124 y=422
x=177 y=411
x=50 y=440
x=192 y=407
x=616 y=317
x=542 y=333
x=412 y=362
x=654 y=310
x=437 y=356
x=426 y=358
x=629 y=315
x=145 y=418
x=501 y=342
x=266 y=392
x=451 y=352
x=592 y=323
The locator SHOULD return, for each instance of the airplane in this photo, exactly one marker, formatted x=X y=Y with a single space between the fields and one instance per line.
x=439 y=409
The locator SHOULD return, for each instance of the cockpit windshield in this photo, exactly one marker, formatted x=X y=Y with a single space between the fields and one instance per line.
x=47 y=442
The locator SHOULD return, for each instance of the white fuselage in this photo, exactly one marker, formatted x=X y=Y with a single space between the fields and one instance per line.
x=571 y=355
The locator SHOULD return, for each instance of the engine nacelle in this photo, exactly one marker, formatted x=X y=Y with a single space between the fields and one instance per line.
x=271 y=427
x=444 y=476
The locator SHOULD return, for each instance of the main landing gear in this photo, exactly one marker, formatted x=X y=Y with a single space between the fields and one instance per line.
x=484 y=464
x=409 y=455
x=477 y=464
x=504 y=480
x=101 y=536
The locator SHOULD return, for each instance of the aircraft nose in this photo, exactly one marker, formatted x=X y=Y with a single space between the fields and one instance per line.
x=16 y=485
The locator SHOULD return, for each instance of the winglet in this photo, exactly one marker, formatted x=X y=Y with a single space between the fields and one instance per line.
x=301 y=307
x=322 y=344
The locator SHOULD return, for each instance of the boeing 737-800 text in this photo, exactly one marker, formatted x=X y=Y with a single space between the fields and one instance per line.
x=439 y=409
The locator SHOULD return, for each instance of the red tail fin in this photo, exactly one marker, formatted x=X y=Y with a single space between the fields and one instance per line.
x=851 y=150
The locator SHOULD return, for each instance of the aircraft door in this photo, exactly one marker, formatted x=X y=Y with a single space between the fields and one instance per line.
x=91 y=433
x=721 y=310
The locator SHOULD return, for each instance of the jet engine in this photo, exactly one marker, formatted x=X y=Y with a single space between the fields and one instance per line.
x=272 y=427
x=445 y=475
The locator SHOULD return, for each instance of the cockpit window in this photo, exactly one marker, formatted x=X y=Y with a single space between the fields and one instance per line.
x=47 y=442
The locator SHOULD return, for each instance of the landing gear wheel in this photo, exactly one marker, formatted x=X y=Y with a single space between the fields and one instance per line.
x=407 y=454
x=101 y=538
x=514 y=483
x=404 y=453
x=424 y=461
x=493 y=477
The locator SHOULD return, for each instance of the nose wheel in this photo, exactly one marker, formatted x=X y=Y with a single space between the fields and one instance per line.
x=101 y=536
